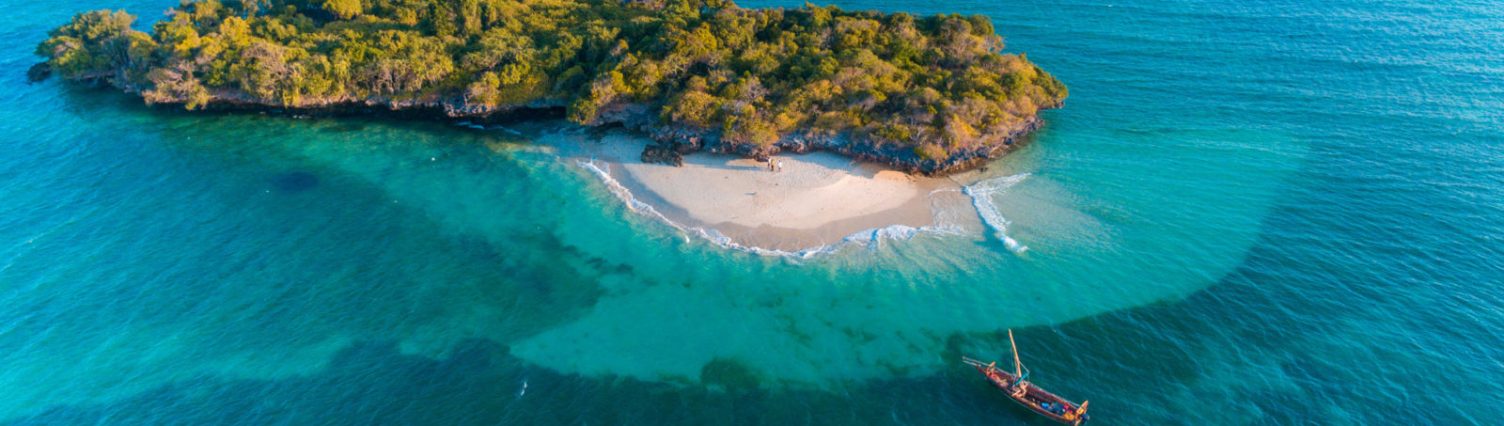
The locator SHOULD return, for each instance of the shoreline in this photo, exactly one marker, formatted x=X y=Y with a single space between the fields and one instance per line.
x=817 y=203
x=675 y=140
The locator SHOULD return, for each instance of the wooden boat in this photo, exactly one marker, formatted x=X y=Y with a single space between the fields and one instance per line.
x=1018 y=388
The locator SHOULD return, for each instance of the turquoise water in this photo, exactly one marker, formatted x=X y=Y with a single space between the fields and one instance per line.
x=1261 y=213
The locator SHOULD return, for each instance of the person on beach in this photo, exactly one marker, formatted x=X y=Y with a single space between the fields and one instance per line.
x=772 y=167
x=780 y=165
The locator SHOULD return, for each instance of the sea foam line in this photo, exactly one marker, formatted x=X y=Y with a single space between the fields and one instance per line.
x=871 y=238
x=981 y=196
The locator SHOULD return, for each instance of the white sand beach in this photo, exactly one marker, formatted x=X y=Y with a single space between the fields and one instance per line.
x=816 y=199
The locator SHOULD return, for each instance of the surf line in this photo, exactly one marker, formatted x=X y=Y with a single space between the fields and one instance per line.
x=981 y=197
x=871 y=238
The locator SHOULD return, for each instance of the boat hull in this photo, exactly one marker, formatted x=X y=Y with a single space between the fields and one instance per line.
x=1031 y=399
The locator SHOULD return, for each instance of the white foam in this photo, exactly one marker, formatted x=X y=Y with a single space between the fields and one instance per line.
x=623 y=193
x=981 y=196
x=871 y=238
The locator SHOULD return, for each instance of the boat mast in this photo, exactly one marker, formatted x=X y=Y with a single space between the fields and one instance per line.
x=1018 y=367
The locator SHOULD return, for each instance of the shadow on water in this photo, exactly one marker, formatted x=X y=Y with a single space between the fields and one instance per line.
x=1141 y=364
x=291 y=182
x=349 y=126
x=373 y=383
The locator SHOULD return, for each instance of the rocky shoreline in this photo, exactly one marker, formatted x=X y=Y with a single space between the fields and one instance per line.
x=673 y=142
x=676 y=141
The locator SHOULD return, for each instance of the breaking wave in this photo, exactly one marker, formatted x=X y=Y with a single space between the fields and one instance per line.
x=981 y=196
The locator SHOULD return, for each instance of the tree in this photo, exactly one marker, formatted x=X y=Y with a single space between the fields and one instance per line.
x=746 y=77
x=343 y=9
x=89 y=45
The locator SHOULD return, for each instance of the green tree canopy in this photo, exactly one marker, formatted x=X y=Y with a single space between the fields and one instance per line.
x=927 y=86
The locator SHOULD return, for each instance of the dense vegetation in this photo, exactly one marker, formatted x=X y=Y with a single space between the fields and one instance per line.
x=925 y=88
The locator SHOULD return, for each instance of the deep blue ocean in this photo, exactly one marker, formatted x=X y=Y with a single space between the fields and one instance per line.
x=1248 y=212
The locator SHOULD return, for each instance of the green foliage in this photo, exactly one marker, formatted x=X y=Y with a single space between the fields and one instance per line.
x=92 y=45
x=343 y=9
x=930 y=84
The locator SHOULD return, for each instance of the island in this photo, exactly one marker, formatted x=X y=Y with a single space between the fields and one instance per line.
x=928 y=95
